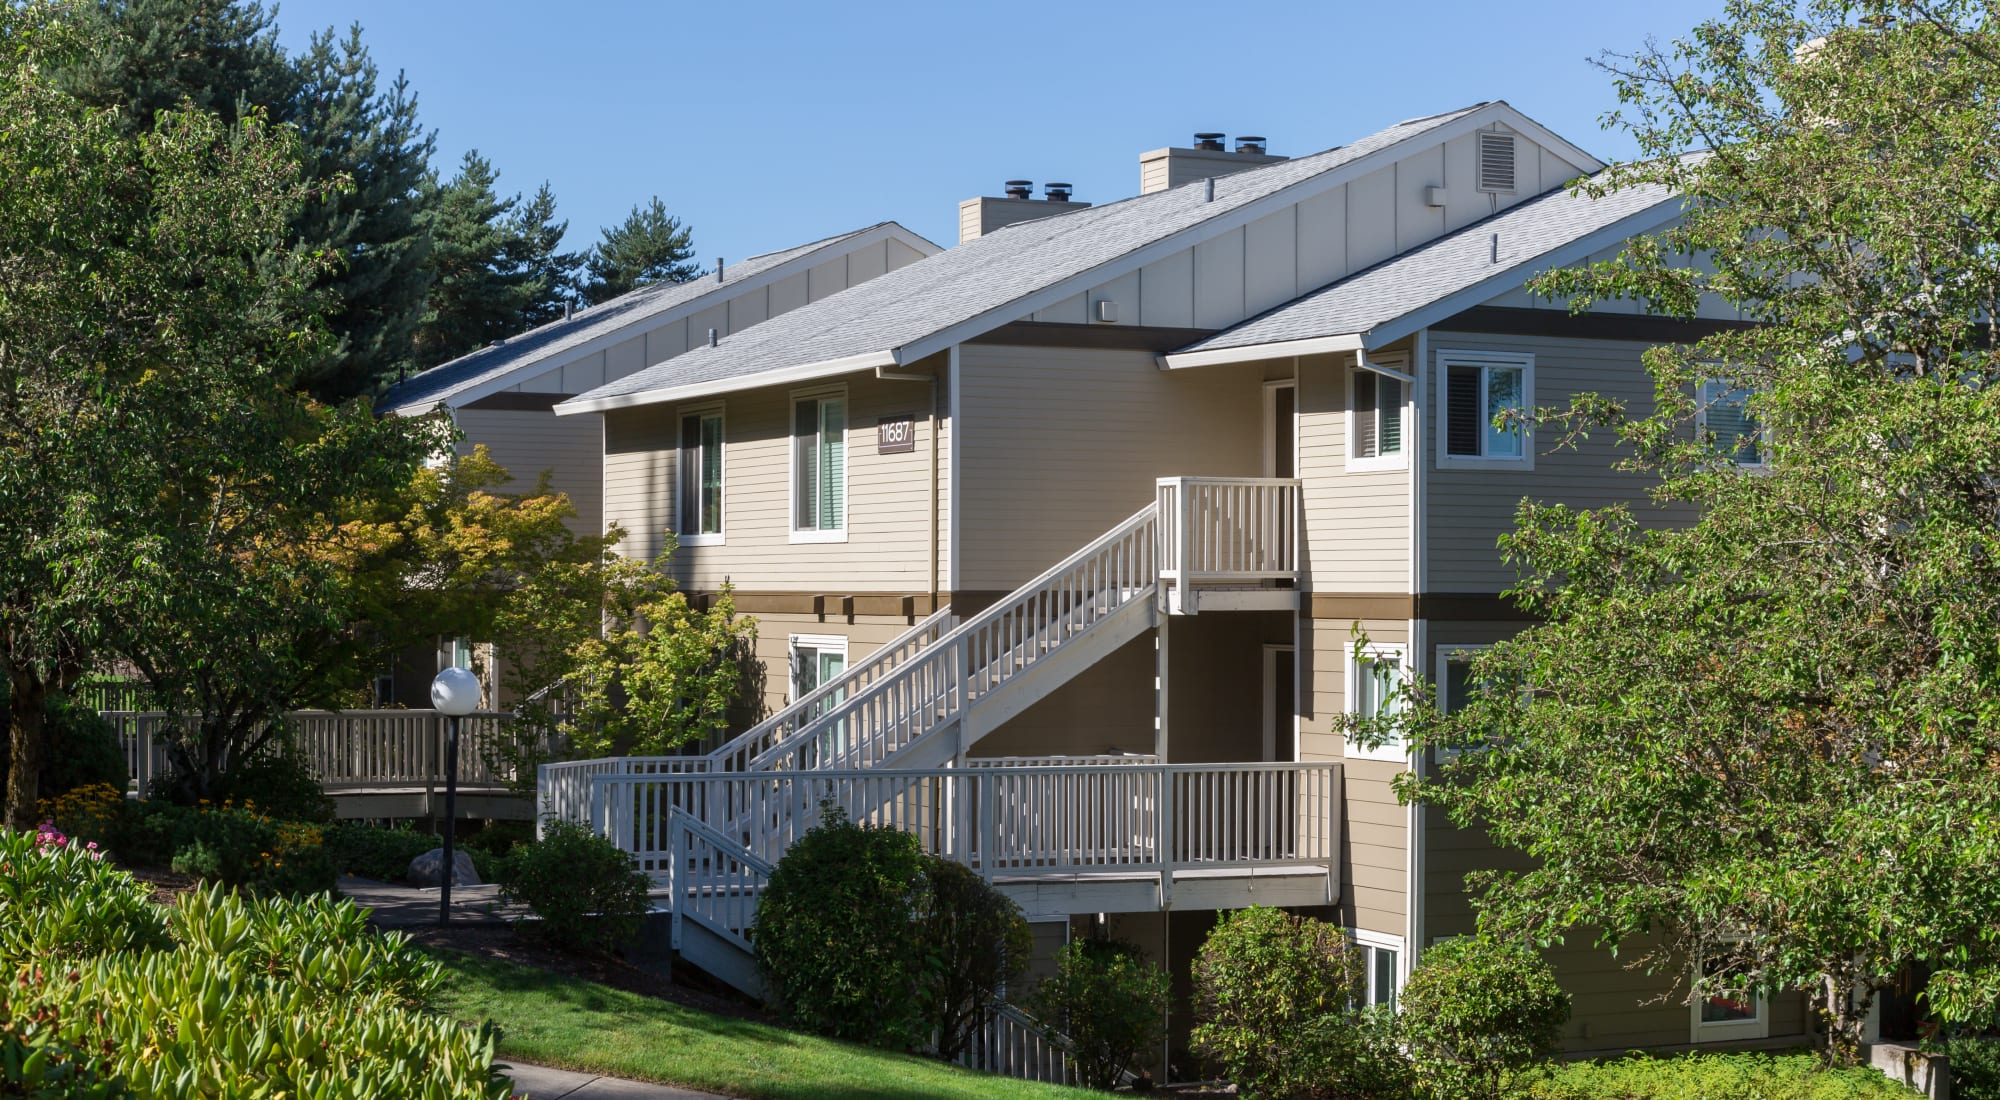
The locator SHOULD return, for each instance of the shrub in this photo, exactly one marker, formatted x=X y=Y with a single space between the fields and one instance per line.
x=82 y=750
x=94 y=812
x=277 y=781
x=231 y=997
x=1278 y=1005
x=584 y=889
x=1975 y=1068
x=1744 y=1076
x=1476 y=1013
x=59 y=901
x=241 y=846
x=499 y=838
x=1108 y=1002
x=376 y=853
x=834 y=934
x=977 y=942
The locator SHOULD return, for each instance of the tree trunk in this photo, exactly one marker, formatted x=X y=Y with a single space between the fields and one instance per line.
x=27 y=736
x=1846 y=1020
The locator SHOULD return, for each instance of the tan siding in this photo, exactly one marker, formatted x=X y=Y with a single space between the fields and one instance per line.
x=888 y=509
x=864 y=633
x=1469 y=509
x=528 y=443
x=1376 y=832
x=1216 y=675
x=1107 y=708
x=1357 y=526
x=1061 y=444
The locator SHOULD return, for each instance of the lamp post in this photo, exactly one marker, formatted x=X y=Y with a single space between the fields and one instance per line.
x=454 y=694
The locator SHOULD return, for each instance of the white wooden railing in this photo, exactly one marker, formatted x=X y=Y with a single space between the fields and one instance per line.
x=773 y=732
x=714 y=882
x=1227 y=529
x=933 y=687
x=1015 y=1044
x=562 y=789
x=1003 y=822
x=347 y=750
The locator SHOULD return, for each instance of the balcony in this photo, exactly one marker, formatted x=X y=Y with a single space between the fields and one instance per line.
x=1228 y=543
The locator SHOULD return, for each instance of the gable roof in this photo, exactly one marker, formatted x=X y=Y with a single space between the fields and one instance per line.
x=477 y=373
x=1400 y=295
x=926 y=307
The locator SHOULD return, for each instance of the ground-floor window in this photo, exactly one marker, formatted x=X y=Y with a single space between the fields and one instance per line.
x=1722 y=1015
x=1382 y=958
x=818 y=660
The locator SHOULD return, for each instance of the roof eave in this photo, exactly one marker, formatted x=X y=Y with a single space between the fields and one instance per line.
x=1278 y=349
x=807 y=372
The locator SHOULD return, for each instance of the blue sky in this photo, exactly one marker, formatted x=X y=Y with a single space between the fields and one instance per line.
x=768 y=125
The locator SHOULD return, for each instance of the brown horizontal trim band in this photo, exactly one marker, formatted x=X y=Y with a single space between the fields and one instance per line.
x=890 y=605
x=1445 y=606
x=1640 y=328
x=1053 y=334
x=512 y=401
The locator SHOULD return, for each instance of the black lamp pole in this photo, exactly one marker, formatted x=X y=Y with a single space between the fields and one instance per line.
x=450 y=814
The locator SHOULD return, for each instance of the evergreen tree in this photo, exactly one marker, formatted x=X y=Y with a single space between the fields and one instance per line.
x=498 y=271
x=224 y=58
x=647 y=247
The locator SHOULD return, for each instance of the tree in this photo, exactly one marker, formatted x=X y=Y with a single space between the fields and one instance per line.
x=666 y=673
x=142 y=295
x=647 y=247
x=1764 y=740
x=498 y=271
x=363 y=146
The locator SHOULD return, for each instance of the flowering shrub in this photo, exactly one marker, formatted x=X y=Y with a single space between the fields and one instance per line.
x=241 y=846
x=94 y=811
x=61 y=901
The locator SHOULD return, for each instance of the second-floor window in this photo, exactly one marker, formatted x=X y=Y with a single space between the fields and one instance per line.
x=819 y=466
x=1724 y=412
x=1479 y=390
x=1375 y=683
x=1378 y=416
x=701 y=477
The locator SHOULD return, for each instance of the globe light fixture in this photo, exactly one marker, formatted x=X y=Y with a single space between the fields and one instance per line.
x=454 y=694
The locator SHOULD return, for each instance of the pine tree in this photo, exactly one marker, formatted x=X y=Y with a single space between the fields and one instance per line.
x=647 y=247
x=499 y=272
x=223 y=57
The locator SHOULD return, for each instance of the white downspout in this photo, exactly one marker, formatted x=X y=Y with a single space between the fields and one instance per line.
x=1413 y=939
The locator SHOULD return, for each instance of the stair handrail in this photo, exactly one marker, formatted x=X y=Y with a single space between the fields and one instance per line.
x=952 y=646
x=681 y=825
x=738 y=752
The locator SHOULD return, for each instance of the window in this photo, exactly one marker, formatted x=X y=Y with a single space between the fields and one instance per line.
x=1374 y=683
x=1722 y=1015
x=818 y=660
x=459 y=653
x=819 y=468
x=1455 y=683
x=700 y=515
x=1477 y=387
x=1375 y=423
x=1381 y=958
x=1724 y=411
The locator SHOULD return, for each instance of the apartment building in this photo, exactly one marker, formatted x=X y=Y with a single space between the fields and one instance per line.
x=1068 y=543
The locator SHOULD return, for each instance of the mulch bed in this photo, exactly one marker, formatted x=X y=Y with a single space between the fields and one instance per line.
x=167 y=886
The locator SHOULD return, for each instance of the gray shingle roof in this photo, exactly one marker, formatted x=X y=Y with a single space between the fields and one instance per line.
x=981 y=275
x=1530 y=236
x=442 y=382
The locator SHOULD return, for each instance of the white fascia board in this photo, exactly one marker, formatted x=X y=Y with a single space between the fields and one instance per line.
x=807 y=372
x=1210 y=229
x=557 y=360
x=414 y=409
x=1283 y=349
x=1548 y=139
x=1392 y=329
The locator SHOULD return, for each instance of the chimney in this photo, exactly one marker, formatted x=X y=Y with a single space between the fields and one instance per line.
x=1207 y=158
x=978 y=217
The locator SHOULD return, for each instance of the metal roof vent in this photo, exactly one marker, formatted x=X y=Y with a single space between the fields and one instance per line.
x=1496 y=160
x=1056 y=192
x=1251 y=145
x=1209 y=142
x=1020 y=189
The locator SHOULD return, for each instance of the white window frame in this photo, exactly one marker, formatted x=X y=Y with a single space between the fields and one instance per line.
x=1448 y=358
x=792 y=467
x=1701 y=404
x=1395 y=752
x=818 y=643
x=1446 y=654
x=1700 y=1031
x=1380 y=941
x=681 y=474
x=1401 y=459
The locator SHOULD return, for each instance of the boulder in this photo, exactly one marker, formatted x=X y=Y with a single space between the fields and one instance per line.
x=426 y=869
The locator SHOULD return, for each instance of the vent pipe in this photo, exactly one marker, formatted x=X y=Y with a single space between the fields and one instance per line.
x=1020 y=189
x=1251 y=145
x=1056 y=192
x=713 y=339
x=718 y=269
x=1209 y=142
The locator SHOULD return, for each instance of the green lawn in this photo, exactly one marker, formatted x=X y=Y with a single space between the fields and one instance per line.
x=575 y=1024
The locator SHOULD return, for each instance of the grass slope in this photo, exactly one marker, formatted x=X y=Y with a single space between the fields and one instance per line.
x=575 y=1024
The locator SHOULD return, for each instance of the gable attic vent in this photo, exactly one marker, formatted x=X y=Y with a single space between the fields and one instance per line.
x=1496 y=160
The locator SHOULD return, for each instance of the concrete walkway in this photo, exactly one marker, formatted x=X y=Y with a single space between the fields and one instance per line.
x=543 y=1083
x=399 y=906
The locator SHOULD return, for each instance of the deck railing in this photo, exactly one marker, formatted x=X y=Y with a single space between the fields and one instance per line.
x=1227 y=529
x=1002 y=822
